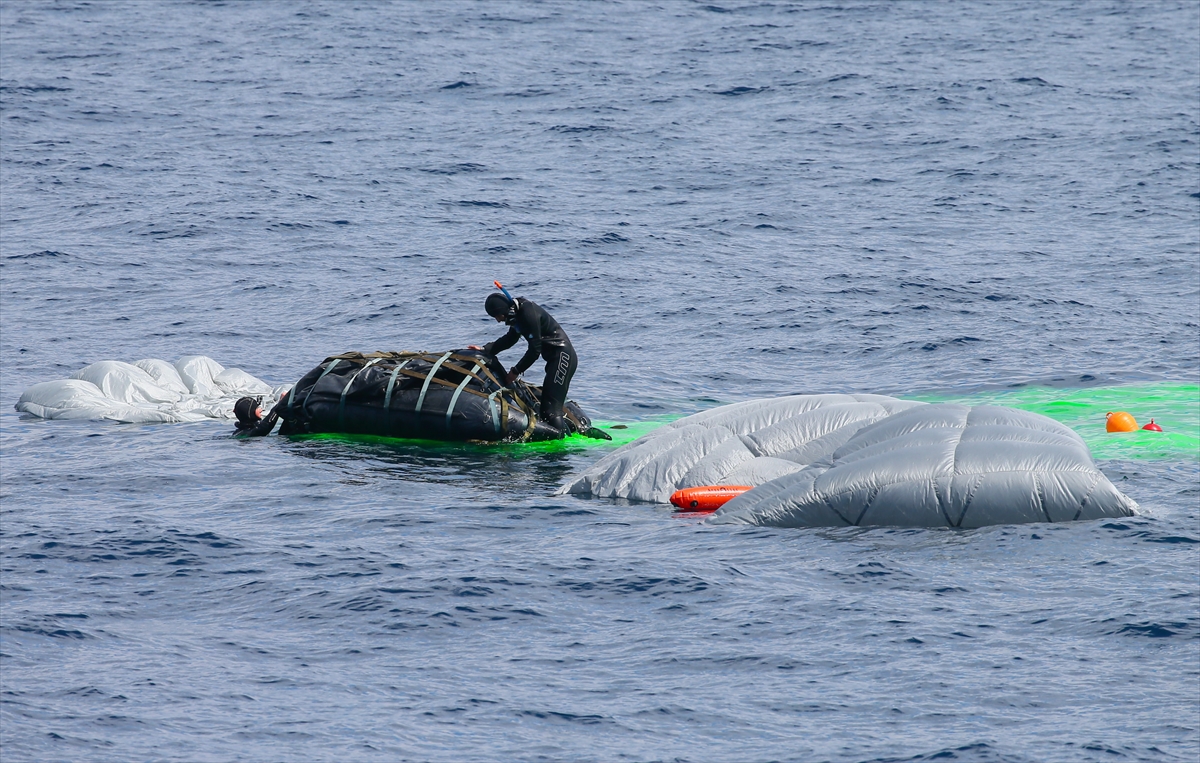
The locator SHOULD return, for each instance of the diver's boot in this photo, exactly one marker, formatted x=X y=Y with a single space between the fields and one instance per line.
x=560 y=425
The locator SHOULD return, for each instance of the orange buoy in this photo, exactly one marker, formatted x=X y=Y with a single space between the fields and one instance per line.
x=706 y=498
x=1121 y=422
x=1152 y=426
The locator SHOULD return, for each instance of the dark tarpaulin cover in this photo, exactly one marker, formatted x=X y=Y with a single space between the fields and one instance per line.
x=457 y=395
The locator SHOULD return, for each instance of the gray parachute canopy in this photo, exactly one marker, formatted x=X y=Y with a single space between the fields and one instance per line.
x=837 y=460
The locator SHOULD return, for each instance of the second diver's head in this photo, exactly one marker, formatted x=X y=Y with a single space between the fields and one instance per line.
x=498 y=306
x=248 y=411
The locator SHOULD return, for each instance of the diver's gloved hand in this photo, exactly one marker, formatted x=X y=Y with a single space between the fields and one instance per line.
x=510 y=377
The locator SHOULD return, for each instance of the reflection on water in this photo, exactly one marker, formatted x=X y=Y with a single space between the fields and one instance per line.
x=509 y=470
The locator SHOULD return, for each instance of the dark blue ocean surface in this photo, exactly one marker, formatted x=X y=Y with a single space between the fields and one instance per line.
x=718 y=202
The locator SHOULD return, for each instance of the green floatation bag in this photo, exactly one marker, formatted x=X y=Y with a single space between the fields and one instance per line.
x=456 y=396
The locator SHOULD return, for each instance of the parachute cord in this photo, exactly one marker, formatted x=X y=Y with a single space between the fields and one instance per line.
x=458 y=391
x=492 y=408
x=342 y=399
x=328 y=368
x=387 y=399
x=429 y=378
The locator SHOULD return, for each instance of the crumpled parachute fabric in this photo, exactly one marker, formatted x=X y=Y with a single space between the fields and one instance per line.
x=839 y=460
x=193 y=388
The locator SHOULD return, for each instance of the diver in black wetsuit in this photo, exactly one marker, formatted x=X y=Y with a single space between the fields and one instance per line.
x=546 y=338
x=250 y=419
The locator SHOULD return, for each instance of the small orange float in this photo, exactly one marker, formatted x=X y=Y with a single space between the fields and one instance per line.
x=706 y=498
x=1152 y=426
x=1120 y=421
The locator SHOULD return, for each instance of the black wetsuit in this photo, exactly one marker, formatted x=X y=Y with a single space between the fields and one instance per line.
x=547 y=339
x=266 y=423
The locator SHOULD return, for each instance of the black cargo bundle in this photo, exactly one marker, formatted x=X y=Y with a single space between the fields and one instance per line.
x=457 y=395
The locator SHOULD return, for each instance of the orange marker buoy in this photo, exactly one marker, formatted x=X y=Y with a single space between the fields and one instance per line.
x=1152 y=426
x=1121 y=422
x=707 y=498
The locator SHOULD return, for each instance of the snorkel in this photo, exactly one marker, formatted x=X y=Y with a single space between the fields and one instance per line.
x=510 y=310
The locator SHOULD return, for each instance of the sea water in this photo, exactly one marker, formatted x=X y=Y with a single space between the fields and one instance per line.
x=995 y=202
